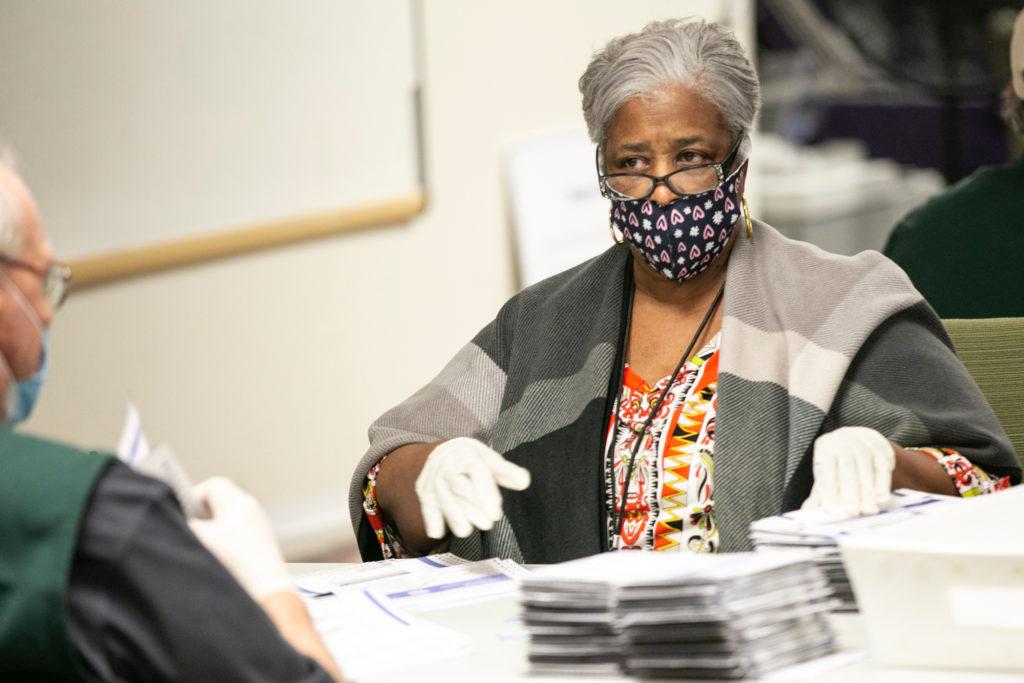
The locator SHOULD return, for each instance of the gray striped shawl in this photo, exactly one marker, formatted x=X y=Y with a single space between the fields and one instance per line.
x=811 y=341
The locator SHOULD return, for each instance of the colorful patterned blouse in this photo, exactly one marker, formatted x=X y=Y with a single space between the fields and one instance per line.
x=670 y=498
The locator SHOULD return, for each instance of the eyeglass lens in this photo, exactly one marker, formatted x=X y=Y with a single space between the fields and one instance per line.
x=684 y=181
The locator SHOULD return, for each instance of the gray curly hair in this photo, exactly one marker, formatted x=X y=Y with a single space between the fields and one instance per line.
x=691 y=52
x=11 y=228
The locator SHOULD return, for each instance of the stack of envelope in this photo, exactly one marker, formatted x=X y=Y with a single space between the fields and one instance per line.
x=680 y=615
x=825 y=552
x=813 y=530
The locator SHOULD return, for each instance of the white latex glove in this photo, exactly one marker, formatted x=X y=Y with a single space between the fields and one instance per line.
x=239 y=535
x=852 y=472
x=458 y=487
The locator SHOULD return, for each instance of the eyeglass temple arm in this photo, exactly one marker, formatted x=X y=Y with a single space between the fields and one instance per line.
x=731 y=159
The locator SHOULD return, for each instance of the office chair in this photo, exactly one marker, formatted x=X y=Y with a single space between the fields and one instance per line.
x=992 y=349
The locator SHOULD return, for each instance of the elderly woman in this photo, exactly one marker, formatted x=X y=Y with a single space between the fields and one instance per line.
x=701 y=373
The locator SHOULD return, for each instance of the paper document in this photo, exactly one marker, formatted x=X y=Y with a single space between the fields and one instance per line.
x=370 y=607
x=448 y=586
x=362 y=633
x=813 y=526
x=160 y=463
x=331 y=580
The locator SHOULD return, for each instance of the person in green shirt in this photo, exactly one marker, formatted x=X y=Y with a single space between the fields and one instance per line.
x=101 y=576
x=963 y=248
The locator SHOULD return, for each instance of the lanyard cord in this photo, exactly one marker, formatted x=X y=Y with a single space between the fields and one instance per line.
x=619 y=518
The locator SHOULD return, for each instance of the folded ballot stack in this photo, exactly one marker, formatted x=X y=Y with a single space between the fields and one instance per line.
x=824 y=549
x=677 y=615
x=814 y=531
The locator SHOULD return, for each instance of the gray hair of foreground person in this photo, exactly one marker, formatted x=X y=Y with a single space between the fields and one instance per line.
x=703 y=56
x=11 y=237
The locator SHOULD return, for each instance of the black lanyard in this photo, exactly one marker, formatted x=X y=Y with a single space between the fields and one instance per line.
x=619 y=518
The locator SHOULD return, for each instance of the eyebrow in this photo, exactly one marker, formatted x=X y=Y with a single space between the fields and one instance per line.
x=682 y=142
x=644 y=147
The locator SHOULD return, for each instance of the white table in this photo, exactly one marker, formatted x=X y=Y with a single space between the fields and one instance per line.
x=499 y=652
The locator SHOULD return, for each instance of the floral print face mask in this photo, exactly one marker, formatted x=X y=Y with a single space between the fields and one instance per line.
x=680 y=240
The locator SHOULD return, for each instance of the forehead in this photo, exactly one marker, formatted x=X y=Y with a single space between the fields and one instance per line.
x=671 y=112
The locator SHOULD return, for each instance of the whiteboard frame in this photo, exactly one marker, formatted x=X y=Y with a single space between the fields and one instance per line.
x=119 y=265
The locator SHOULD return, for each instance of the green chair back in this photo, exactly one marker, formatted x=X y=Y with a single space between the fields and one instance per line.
x=993 y=351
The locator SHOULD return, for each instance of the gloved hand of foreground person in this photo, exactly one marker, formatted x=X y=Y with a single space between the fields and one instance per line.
x=458 y=487
x=852 y=472
x=239 y=535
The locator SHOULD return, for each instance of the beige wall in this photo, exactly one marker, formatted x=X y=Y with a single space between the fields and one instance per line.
x=268 y=368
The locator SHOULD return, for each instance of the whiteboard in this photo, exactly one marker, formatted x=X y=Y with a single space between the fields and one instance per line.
x=145 y=122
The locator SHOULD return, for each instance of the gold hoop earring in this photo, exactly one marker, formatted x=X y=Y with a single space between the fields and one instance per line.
x=746 y=216
x=611 y=228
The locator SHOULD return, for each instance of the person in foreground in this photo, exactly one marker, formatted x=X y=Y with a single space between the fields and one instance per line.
x=100 y=576
x=701 y=373
x=962 y=248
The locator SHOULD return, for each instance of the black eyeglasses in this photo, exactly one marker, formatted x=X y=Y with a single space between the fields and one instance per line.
x=56 y=279
x=689 y=180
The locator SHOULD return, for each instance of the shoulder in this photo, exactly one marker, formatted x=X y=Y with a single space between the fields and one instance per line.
x=33 y=469
x=783 y=285
x=13 y=443
x=980 y=186
x=122 y=483
x=123 y=500
x=560 y=310
x=586 y=279
x=809 y=271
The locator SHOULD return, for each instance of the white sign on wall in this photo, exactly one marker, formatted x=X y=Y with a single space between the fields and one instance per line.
x=559 y=217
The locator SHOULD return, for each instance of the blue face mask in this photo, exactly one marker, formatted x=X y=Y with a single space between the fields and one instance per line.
x=22 y=394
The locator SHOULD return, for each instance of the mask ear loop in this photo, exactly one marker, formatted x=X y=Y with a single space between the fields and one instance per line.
x=618 y=239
